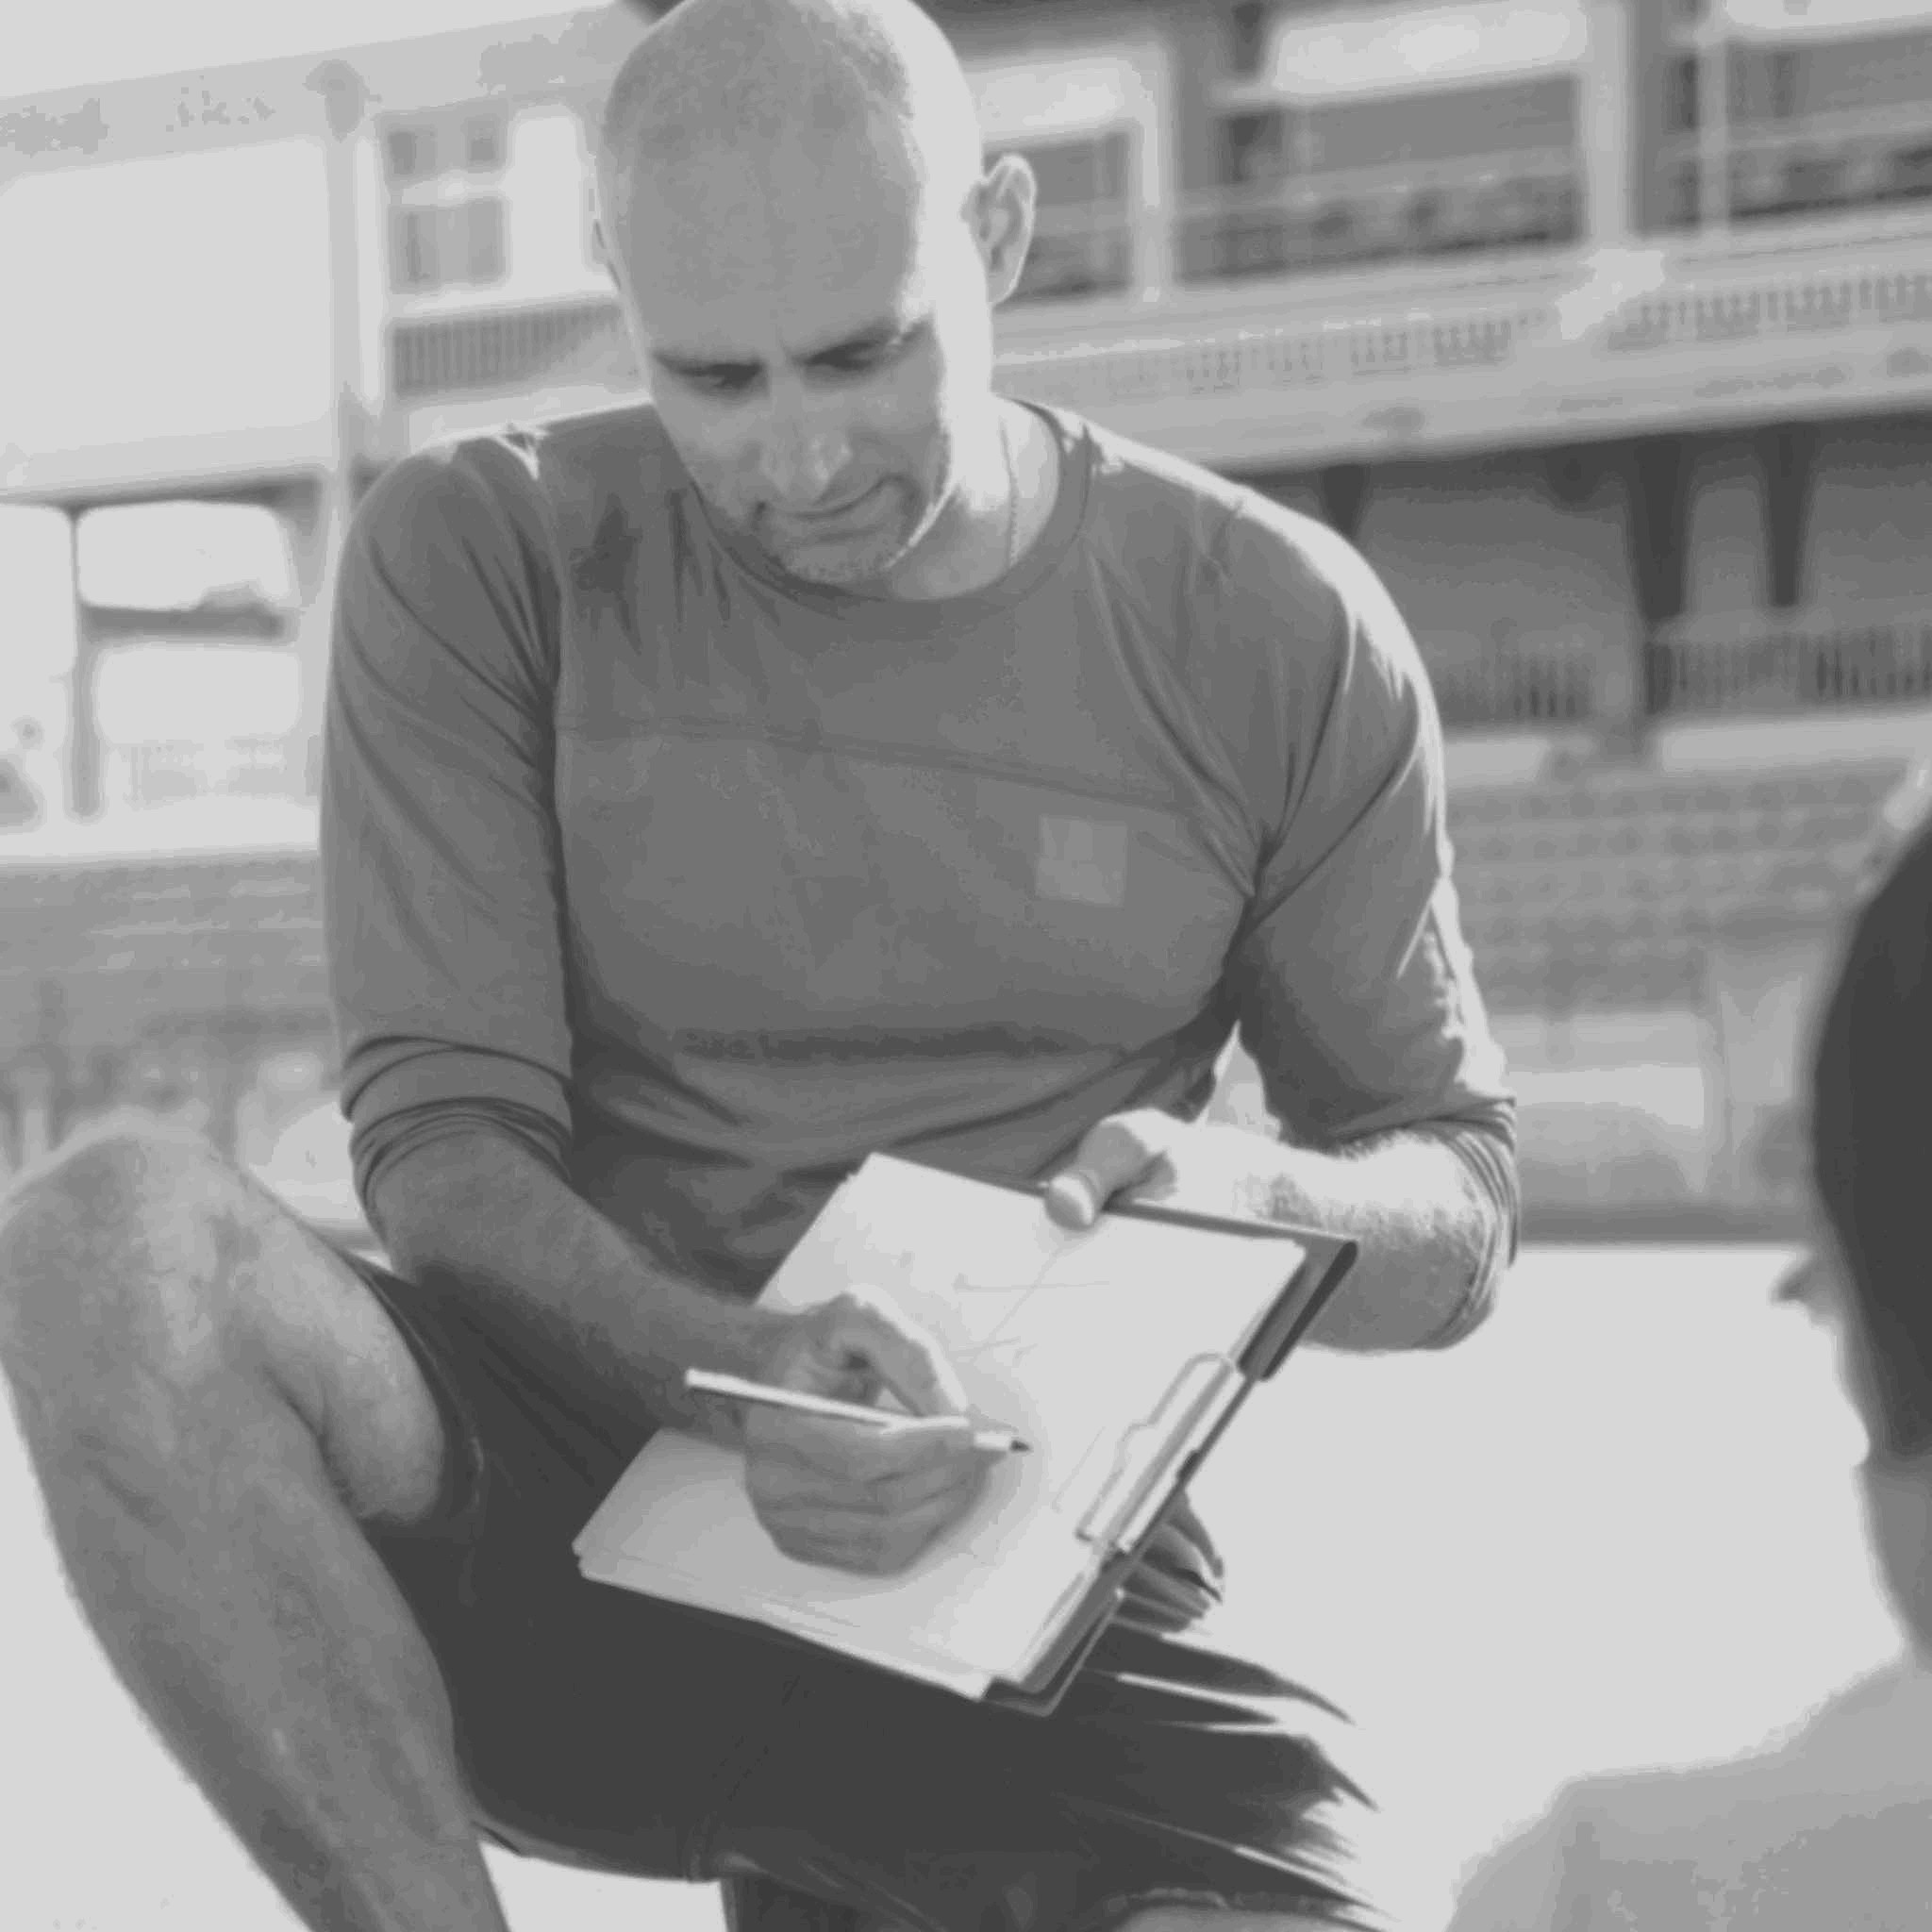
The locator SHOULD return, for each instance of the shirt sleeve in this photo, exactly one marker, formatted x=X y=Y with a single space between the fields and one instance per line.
x=1355 y=990
x=441 y=879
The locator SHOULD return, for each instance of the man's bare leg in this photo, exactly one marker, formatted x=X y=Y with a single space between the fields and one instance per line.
x=212 y=1401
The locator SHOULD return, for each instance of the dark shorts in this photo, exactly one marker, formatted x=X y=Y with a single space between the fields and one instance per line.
x=602 y=1727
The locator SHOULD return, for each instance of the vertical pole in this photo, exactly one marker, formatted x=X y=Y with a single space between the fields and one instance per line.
x=1609 y=120
x=1650 y=50
x=1714 y=122
x=1658 y=483
x=1786 y=457
x=344 y=100
x=84 y=758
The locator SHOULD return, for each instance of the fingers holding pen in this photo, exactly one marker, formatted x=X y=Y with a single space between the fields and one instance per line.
x=872 y=1455
x=859 y=1498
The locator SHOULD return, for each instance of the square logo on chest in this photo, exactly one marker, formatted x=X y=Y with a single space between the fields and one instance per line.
x=1081 y=859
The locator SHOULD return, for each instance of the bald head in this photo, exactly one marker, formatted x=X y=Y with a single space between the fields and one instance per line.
x=773 y=89
x=810 y=255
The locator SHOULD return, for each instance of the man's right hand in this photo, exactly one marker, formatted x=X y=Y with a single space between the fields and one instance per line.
x=846 y=1494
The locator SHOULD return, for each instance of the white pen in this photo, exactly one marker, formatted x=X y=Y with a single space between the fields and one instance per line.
x=702 y=1382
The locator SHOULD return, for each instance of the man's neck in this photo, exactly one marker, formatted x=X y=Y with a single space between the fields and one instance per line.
x=1004 y=511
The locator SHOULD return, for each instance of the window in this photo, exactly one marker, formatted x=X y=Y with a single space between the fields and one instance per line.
x=178 y=555
x=1083 y=243
x=410 y=153
x=1783 y=84
x=482 y=221
x=1827 y=129
x=1312 y=185
x=413 y=262
x=447 y=228
x=1683 y=196
x=1908 y=175
x=1248 y=38
x=1680 y=96
x=476 y=143
x=444 y=245
x=1254 y=147
x=483 y=144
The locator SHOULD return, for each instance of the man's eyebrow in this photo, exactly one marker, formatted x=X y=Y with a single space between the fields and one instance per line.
x=868 y=341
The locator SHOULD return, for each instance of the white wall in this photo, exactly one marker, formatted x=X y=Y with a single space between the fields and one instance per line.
x=179 y=297
x=544 y=185
x=166 y=693
x=548 y=243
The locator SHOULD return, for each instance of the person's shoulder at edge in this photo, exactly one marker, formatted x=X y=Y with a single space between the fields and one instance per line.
x=1860 y=1747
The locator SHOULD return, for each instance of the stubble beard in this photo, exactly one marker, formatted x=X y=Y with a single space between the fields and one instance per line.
x=864 y=560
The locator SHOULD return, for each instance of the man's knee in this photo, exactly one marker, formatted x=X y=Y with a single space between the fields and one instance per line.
x=144 y=1280
x=119 y=1259
x=78 y=1222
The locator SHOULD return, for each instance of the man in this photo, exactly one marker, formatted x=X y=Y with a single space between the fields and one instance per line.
x=1835 y=1826
x=829 y=757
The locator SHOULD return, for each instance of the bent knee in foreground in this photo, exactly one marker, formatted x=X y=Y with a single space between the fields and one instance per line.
x=76 y=1222
x=137 y=1255
x=125 y=1180
x=119 y=1169
x=133 y=1245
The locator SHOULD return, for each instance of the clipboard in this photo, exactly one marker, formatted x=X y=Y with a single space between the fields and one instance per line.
x=677 y=1525
x=1192 y=1417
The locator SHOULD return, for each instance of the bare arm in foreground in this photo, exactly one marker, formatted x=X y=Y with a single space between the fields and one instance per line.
x=570 y=1285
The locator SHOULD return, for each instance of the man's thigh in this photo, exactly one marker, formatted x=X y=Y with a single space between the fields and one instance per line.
x=1172 y=1782
x=136 y=1250
x=599 y=1726
x=595 y=1726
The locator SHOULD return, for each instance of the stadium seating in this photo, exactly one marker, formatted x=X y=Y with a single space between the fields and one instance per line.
x=113 y=948
x=1608 y=889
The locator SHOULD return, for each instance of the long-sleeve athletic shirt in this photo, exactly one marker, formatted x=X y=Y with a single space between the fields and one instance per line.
x=707 y=885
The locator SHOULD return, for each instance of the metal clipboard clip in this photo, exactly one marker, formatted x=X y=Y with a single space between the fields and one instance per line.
x=1134 y=1491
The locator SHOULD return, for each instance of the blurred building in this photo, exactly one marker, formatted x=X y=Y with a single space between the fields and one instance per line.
x=1604 y=327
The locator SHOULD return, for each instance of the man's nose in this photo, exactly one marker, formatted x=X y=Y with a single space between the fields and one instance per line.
x=801 y=460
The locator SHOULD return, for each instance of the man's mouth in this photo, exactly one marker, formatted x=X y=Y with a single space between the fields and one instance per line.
x=838 y=513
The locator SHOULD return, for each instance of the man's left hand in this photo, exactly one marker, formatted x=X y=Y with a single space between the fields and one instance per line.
x=1125 y=1151
x=1180 y=1579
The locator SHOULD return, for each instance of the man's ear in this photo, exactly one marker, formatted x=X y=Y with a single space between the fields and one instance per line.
x=1003 y=211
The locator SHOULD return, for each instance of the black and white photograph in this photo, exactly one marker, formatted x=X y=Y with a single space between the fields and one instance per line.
x=966 y=966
